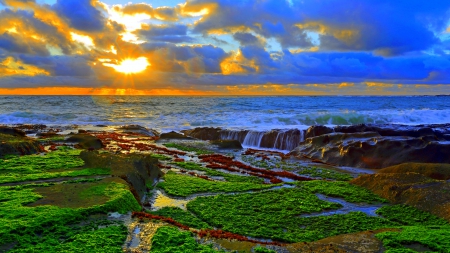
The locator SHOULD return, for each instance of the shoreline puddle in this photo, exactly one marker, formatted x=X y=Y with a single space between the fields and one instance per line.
x=346 y=208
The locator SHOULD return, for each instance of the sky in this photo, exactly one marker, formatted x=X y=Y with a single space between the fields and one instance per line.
x=225 y=47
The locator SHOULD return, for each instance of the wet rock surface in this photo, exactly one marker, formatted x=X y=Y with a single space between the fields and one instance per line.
x=227 y=144
x=272 y=139
x=412 y=189
x=14 y=142
x=366 y=146
x=439 y=171
x=138 y=130
x=136 y=169
x=174 y=135
x=86 y=141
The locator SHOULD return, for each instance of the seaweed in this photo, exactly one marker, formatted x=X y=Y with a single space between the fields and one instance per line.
x=182 y=217
x=198 y=151
x=312 y=171
x=410 y=216
x=260 y=249
x=14 y=177
x=44 y=225
x=172 y=240
x=434 y=238
x=183 y=186
x=214 y=173
x=60 y=159
x=349 y=192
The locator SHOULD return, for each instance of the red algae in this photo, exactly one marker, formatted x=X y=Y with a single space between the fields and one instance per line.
x=220 y=234
x=217 y=161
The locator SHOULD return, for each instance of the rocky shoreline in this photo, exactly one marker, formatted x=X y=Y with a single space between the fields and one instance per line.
x=96 y=171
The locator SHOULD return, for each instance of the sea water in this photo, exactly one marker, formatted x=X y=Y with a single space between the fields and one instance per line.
x=165 y=113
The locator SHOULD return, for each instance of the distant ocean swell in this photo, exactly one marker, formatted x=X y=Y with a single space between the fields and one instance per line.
x=233 y=120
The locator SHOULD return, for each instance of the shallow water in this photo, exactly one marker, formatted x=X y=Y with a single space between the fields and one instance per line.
x=346 y=208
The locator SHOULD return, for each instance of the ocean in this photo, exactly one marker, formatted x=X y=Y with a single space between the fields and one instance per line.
x=166 y=113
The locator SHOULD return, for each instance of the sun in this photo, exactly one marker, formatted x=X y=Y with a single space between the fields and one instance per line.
x=130 y=66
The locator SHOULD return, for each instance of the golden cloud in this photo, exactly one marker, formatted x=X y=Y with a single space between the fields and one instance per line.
x=14 y=67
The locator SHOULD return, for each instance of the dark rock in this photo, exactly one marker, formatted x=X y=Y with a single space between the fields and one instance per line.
x=173 y=135
x=411 y=189
x=238 y=135
x=391 y=130
x=276 y=139
x=138 y=170
x=81 y=131
x=46 y=134
x=86 y=141
x=138 y=130
x=371 y=150
x=11 y=131
x=227 y=144
x=317 y=131
x=204 y=133
x=13 y=144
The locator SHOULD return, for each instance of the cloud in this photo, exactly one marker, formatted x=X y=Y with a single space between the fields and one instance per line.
x=169 y=33
x=160 y=13
x=81 y=14
x=279 y=45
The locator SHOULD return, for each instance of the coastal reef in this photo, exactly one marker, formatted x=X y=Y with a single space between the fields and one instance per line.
x=133 y=189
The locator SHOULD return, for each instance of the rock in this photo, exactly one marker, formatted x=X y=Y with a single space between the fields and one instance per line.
x=12 y=131
x=139 y=170
x=432 y=170
x=204 y=133
x=317 y=131
x=371 y=150
x=86 y=141
x=68 y=195
x=227 y=144
x=354 y=242
x=47 y=134
x=274 y=139
x=411 y=189
x=138 y=130
x=173 y=135
x=12 y=142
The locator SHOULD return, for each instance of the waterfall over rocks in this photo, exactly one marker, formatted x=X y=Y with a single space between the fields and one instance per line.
x=272 y=139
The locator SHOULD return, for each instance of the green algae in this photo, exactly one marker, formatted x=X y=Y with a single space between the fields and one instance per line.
x=13 y=177
x=433 y=238
x=25 y=225
x=183 y=186
x=172 y=240
x=311 y=171
x=323 y=173
x=183 y=217
x=214 y=173
x=260 y=249
x=161 y=157
x=351 y=193
x=276 y=214
x=56 y=164
x=60 y=159
x=198 y=151
x=410 y=216
x=269 y=214
x=77 y=239
x=57 y=138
